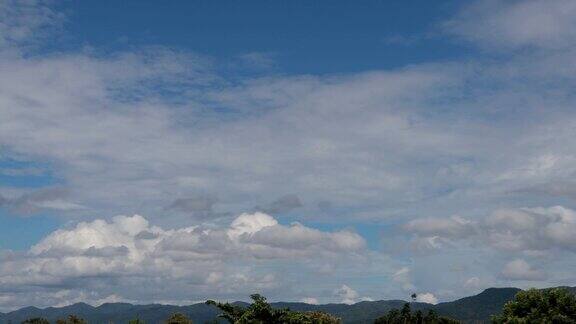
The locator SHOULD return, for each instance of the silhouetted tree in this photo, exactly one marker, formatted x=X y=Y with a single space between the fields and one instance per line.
x=405 y=316
x=178 y=318
x=37 y=320
x=555 y=305
x=418 y=317
x=136 y=321
x=71 y=319
x=317 y=317
x=261 y=312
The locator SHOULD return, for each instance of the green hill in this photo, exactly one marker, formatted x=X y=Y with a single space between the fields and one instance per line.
x=473 y=309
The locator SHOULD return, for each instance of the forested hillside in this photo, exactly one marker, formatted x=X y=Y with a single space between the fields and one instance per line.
x=473 y=309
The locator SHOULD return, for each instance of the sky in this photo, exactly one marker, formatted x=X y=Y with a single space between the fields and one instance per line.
x=316 y=151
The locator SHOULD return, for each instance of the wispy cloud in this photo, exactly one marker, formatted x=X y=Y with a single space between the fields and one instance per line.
x=162 y=132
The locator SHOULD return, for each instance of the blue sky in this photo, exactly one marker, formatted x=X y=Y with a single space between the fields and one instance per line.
x=321 y=37
x=323 y=151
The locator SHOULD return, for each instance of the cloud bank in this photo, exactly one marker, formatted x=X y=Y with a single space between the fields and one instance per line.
x=142 y=263
x=463 y=166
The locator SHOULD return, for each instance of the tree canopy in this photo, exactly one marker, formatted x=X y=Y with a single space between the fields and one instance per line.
x=36 y=320
x=178 y=318
x=71 y=319
x=136 y=321
x=260 y=312
x=554 y=305
x=406 y=316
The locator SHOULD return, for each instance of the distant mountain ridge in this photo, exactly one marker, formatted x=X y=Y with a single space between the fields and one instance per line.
x=473 y=309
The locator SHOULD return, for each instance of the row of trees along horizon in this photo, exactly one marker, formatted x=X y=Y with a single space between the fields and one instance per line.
x=547 y=306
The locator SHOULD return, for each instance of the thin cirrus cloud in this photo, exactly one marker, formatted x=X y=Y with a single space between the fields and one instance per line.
x=516 y=24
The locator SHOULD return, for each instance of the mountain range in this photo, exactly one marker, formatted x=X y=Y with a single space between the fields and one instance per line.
x=473 y=309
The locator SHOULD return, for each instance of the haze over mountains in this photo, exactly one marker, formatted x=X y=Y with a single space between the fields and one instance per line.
x=473 y=309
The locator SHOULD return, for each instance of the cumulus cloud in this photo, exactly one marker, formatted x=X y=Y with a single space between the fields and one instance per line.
x=427 y=298
x=349 y=295
x=513 y=230
x=130 y=248
x=533 y=229
x=250 y=224
x=520 y=270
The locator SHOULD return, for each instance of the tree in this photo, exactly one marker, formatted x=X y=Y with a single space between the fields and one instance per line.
x=554 y=305
x=71 y=319
x=258 y=312
x=317 y=317
x=136 y=321
x=433 y=318
x=178 y=318
x=37 y=320
x=261 y=312
x=405 y=316
x=418 y=317
x=314 y=317
x=406 y=313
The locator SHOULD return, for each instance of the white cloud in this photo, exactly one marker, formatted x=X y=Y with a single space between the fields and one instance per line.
x=250 y=224
x=533 y=229
x=349 y=295
x=310 y=300
x=520 y=270
x=370 y=144
x=424 y=141
x=128 y=250
x=516 y=230
x=517 y=24
x=534 y=238
x=427 y=298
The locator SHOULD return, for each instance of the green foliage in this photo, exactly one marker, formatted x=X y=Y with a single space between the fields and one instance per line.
x=309 y=318
x=72 y=319
x=260 y=312
x=37 y=320
x=405 y=316
x=317 y=317
x=178 y=318
x=136 y=321
x=555 y=305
